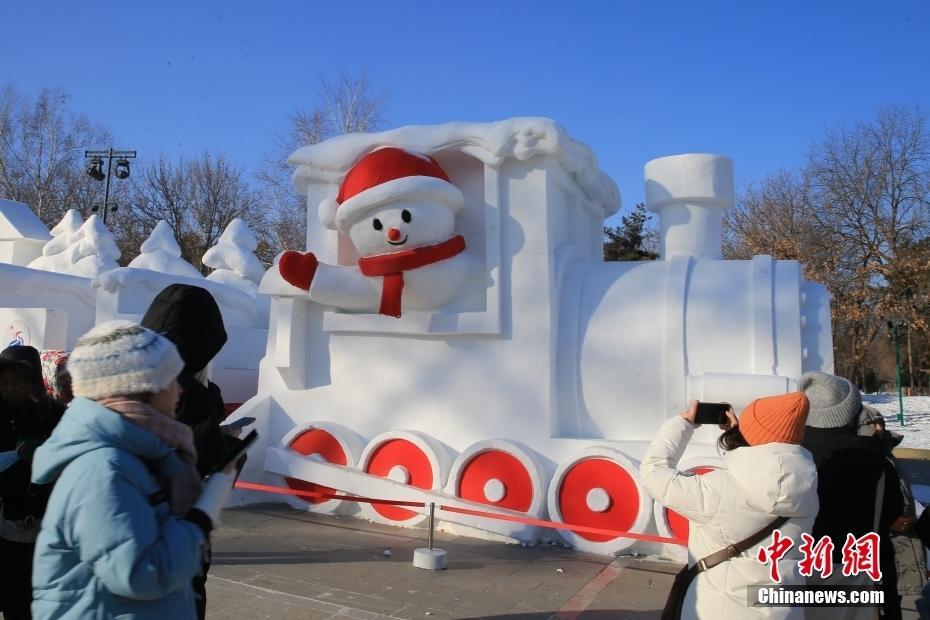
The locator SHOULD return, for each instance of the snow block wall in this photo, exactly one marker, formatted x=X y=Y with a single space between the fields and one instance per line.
x=538 y=386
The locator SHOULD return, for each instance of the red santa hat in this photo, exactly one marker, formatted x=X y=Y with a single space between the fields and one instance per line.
x=384 y=176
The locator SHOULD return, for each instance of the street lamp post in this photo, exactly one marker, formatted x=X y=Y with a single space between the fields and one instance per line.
x=95 y=171
x=893 y=327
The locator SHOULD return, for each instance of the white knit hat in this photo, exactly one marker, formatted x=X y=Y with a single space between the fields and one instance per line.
x=120 y=357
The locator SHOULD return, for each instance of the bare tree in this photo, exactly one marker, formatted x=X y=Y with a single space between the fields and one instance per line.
x=41 y=153
x=163 y=191
x=346 y=104
x=857 y=215
x=196 y=198
x=351 y=104
x=220 y=195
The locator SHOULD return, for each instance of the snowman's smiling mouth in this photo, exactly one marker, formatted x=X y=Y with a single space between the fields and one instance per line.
x=401 y=242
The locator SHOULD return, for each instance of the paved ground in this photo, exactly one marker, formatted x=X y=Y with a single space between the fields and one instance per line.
x=274 y=562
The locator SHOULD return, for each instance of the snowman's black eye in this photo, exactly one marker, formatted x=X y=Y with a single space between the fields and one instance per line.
x=377 y=224
x=405 y=215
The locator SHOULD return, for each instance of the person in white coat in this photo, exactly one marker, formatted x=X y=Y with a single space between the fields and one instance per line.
x=767 y=475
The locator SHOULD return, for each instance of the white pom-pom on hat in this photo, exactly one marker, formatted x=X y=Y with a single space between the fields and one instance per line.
x=327 y=213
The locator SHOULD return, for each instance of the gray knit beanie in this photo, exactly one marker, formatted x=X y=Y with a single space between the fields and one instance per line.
x=835 y=402
x=120 y=357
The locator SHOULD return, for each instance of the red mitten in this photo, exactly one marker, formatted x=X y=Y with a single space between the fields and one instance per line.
x=298 y=269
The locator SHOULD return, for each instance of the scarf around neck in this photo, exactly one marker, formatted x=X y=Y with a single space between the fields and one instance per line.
x=392 y=267
x=183 y=488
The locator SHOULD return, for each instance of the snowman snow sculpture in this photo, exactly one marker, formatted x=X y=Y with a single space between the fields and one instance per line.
x=398 y=207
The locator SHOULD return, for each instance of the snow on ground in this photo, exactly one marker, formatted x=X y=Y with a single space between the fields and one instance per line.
x=916 y=427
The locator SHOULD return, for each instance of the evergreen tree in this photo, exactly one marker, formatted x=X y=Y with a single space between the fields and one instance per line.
x=629 y=240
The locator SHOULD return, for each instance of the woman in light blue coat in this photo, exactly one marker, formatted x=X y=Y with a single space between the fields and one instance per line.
x=125 y=527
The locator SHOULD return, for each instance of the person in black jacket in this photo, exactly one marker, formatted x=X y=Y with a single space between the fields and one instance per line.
x=190 y=318
x=27 y=418
x=851 y=473
x=903 y=558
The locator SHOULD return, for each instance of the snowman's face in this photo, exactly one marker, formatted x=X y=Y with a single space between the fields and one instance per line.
x=400 y=226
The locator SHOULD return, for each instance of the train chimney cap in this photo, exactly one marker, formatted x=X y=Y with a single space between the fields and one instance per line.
x=694 y=178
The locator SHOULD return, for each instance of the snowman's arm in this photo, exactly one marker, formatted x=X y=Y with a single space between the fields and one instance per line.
x=336 y=286
x=343 y=287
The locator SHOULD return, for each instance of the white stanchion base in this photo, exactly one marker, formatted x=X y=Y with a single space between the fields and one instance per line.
x=430 y=559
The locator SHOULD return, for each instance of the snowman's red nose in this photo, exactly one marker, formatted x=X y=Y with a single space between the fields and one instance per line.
x=393 y=234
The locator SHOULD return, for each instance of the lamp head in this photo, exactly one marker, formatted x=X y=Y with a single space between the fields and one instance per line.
x=122 y=168
x=95 y=170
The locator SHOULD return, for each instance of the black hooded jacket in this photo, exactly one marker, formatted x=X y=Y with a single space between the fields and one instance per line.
x=189 y=317
x=848 y=470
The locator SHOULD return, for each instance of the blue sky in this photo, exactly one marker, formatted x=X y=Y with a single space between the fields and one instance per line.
x=758 y=81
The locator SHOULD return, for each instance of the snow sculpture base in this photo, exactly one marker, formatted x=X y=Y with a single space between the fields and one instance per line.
x=430 y=559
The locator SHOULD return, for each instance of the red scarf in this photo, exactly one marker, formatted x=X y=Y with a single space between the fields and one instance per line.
x=392 y=267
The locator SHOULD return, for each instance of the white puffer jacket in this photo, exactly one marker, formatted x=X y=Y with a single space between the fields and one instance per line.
x=759 y=484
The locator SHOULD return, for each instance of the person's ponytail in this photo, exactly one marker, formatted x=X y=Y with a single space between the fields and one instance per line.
x=731 y=439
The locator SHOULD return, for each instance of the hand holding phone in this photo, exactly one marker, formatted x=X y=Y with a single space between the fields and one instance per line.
x=233 y=458
x=712 y=413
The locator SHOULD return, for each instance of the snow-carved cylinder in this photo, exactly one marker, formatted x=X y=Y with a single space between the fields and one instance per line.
x=690 y=193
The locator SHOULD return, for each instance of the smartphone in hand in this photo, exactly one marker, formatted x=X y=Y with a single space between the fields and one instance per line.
x=247 y=442
x=235 y=424
x=711 y=413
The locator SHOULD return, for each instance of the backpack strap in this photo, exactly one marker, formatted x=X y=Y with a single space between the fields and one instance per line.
x=736 y=549
x=676 y=597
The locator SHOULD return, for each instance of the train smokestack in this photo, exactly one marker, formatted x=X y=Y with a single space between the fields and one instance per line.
x=690 y=193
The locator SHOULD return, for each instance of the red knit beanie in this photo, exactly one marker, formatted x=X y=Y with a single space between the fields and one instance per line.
x=775 y=419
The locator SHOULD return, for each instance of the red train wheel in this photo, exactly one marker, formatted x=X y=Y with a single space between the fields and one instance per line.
x=497 y=478
x=316 y=441
x=403 y=461
x=598 y=488
x=598 y=492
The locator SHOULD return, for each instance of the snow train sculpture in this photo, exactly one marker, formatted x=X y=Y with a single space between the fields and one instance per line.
x=511 y=370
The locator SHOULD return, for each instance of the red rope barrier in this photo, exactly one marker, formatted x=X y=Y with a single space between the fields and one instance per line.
x=466 y=511
x=251 y=486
